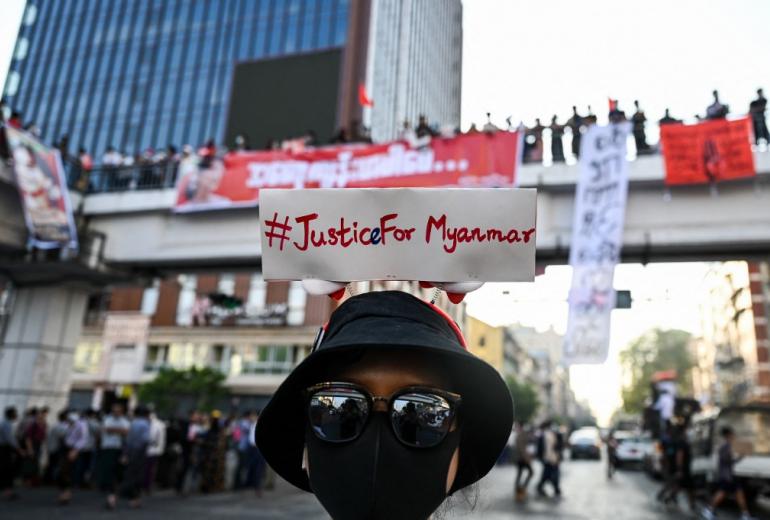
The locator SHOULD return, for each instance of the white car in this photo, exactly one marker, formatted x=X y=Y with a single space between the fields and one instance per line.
x=632 y=449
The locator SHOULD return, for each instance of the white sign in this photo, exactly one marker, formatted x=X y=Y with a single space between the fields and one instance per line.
x=125 y=346
x=597 y=237
x=448 y=235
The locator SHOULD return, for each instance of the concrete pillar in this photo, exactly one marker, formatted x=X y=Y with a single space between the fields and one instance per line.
x=37 y=350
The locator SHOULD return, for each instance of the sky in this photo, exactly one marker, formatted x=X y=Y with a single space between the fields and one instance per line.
x=535 y=59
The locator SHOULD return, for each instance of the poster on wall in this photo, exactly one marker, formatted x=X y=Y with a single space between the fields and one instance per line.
x=597 y=238
x=478 y=160
x=124 y=344
x=40 y=178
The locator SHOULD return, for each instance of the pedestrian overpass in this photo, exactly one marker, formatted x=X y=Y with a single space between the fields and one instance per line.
x=731 y=220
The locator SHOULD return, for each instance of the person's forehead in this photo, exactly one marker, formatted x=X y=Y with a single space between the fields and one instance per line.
x=383 y=371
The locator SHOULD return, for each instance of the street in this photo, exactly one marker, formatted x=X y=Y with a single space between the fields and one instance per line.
x=587 y=495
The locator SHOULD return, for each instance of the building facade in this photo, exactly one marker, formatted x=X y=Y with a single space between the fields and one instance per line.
x=140 y=75
x=252 y=331
x=731 y=353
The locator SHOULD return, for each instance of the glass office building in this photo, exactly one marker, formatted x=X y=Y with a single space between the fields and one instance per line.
x=136 y=74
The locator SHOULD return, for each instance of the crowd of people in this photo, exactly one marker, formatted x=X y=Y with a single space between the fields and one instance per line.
x=575 y=126
x=129 y=455
x=155 y=168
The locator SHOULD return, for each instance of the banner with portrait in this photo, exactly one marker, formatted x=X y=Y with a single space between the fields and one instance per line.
x=706 y=152
x=597 y=238
x=42 y=185
x=485 y=160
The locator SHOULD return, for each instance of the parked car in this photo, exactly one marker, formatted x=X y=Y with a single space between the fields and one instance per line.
x=585 y=443
x=751 y=425
x=632 y=449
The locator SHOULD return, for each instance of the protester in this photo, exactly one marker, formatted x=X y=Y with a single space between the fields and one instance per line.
x=213 y=452
x=75 y=440
x=10 y=452
x=135 y=456
x=575 y=124
x=557 y=145
x=114 y=430
x=368 y=456
x=35 y=434
x=523 y=461
x=535 y=137
x=616 y=115
x=638 y=121
x=727 y=484
x=55 y=447
x=549 y=452
x=717 y=110
x=190 y=448
x=423 y=128
x=757 y=111
x=667 y=119
x=489 y=126
x=255 y=462
x=155 y=449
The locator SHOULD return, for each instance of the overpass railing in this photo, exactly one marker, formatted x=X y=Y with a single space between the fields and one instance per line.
x=106 y=179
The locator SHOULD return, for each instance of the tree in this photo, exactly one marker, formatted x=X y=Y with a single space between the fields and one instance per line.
x=202 y=387
x=654 y=351
x=525 y=400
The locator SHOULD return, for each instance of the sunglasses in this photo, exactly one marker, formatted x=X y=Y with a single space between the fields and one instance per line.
x=420 y=417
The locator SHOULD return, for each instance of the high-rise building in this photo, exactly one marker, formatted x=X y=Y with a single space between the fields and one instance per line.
x=137 y=74
x=415 y=49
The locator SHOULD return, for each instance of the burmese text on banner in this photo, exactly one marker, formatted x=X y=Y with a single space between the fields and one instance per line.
x=710 y=151
x=597 y=237
x=472 y=160
x=43 y=188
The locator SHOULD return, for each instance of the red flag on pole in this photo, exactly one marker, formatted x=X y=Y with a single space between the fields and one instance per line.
x=363 y=96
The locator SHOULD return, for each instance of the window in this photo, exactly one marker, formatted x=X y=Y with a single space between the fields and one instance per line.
x=13 y=84
x=150 y=298
x=22 y=48
x=157 y=357
x=226 y=284
x=297 y=298
x=261 y=359
x=255 y=301
x=31 y=15
x=88 y=357
x=186 y=301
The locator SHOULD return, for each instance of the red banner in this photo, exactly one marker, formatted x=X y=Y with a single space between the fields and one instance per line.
x=707 y=152
x=470 y=160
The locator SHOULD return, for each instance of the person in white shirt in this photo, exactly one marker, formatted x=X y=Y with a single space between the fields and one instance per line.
x=155 y=449
x=114 y=429
x=549 y=452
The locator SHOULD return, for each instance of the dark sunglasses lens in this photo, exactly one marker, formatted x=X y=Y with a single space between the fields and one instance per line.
x=421 y=419
x=338 y=414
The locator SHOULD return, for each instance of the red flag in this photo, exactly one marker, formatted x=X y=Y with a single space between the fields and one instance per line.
x=363 y=97
x=707 y=152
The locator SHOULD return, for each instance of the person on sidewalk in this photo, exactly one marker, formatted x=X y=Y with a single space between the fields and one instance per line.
x=549 y=453
x=10 y=453
x=114 y=430
x=523 y=461
x=135 y=455
x=154 y=451
x=75 y=440
x=727 y=484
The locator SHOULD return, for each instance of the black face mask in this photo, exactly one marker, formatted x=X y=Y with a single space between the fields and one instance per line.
x=376 y=477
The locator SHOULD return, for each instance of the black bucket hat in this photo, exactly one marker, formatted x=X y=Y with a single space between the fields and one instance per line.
x=391 y=321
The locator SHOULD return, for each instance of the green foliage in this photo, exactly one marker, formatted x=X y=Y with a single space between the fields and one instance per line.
x=654 y=351
x=525 y=400
x=201 y=386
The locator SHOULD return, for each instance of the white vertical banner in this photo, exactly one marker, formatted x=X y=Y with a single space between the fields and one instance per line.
x=597 y=238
